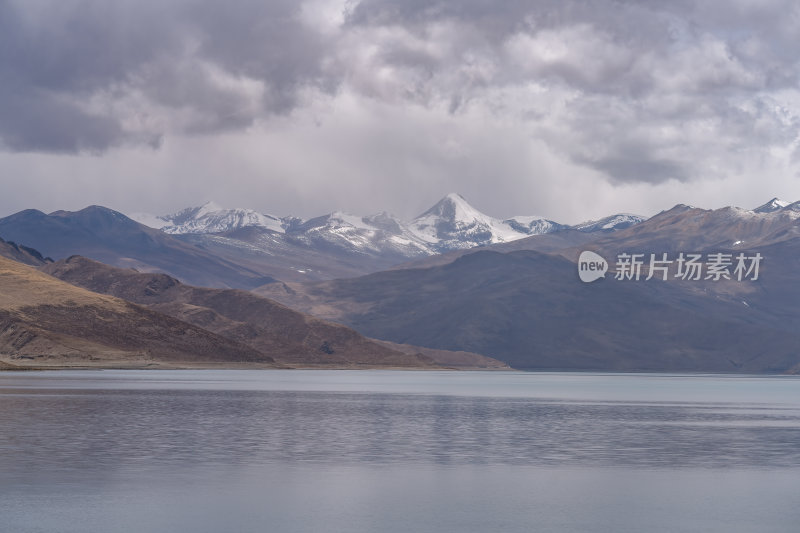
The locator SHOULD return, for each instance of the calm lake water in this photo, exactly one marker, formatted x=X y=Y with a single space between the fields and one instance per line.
x=373 y=451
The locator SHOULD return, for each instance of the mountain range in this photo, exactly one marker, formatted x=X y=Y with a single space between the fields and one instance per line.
x=451 y=223
x=521 y=302
x=240 y=248
x=344 y=245
x=111 y=237
x=446 y=289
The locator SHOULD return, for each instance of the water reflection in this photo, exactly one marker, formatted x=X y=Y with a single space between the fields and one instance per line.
x=63 y=430
x=397 y=452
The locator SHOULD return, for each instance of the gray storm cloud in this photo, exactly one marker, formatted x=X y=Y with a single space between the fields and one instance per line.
x=636 y=91
x=90 y=75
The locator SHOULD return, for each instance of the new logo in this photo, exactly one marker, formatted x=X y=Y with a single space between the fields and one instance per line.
x=591 y=266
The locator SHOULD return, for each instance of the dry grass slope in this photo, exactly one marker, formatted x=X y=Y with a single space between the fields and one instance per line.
x=47 y=322
x=291 y=337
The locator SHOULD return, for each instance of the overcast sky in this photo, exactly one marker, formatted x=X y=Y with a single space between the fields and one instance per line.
x=566 y=109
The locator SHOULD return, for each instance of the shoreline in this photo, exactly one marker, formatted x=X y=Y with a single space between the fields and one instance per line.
x=180 y=365
x=177 y=365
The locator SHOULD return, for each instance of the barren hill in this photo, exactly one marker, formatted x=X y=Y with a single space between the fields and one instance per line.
x=267 y=326
x=44 y=321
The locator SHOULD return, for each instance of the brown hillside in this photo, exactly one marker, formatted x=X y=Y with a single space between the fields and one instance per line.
x=44 y=321
x=267 y=326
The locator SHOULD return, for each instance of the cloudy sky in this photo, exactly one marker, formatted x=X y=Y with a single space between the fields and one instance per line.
x=567 y=109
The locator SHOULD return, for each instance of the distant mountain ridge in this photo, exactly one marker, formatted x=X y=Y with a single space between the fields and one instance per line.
x=239 y=248
x=687 y=228
x=610 y=223
x=340 y=244
x=210 y=218
x=522 y=302
x=111 y=237
x=450 y=224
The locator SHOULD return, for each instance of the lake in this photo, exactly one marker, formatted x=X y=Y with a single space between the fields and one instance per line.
x=397 y=451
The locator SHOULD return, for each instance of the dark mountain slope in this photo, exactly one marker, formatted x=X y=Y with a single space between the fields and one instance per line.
x=260 y=323
x=22 y=254
x=530 y=310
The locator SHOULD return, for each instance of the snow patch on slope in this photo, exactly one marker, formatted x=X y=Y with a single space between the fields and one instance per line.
x=533 y=225
x=149 y=220
x=610 y=223
x=211 y=218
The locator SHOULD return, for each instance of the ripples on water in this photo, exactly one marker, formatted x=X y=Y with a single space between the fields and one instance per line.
x=76 y=430
x=164 y=429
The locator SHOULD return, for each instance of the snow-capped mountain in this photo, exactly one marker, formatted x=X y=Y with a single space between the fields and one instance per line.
x=533 y=225
x=610 y=223
x=240 y=245
x=453 y=224
x=776 y=204
x=341 y=244
x=209 y=218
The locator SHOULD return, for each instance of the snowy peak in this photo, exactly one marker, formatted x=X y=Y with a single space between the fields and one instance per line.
x=776 y=204
x=610 y=223
x=533 y=225
x=211 y=218
x=452 y=223
x=453 y=207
